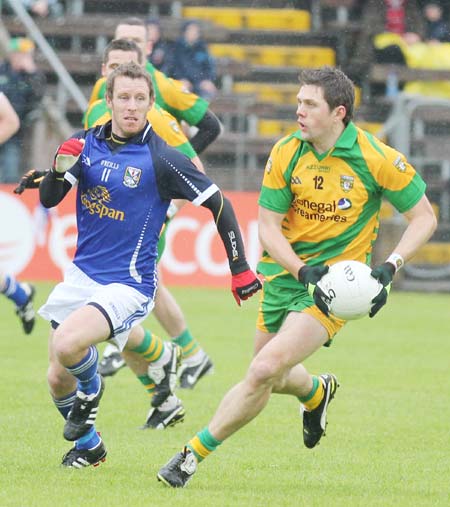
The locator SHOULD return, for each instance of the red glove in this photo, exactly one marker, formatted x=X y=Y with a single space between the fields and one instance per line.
x=68 y=154
x=244 y=285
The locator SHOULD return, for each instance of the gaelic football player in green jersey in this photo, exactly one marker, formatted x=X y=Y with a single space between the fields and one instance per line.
x=170 y=94
x=319 y=204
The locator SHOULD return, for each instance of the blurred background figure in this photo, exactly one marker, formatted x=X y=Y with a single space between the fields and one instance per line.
x=160 y=50
x=192 y=62
x=42 y=8
x=24 y=86
x=21 y=294
x=436 y=27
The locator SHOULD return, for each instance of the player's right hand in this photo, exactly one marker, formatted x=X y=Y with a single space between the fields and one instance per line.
x=244 y=285
x=31 y=179
x=309 y=276
x=67 y=154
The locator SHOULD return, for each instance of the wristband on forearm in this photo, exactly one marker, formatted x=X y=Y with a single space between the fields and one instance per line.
x=396 y=260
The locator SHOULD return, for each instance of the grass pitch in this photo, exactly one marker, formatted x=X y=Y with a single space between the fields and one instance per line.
x=387 y=444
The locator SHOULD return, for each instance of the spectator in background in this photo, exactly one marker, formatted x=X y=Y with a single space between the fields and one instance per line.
x=23 y=84
x=21 y=294
x=160 y=51
x=436 y=27
x=43 y=8
x=192 y=62
x=401 y=18
x=37 y=8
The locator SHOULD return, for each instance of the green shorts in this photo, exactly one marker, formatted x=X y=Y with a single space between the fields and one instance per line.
x=277 y=300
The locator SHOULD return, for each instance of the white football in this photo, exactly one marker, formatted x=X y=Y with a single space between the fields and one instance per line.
x=350 y=289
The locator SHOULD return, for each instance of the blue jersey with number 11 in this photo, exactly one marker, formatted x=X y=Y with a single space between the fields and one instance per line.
x=122 y=199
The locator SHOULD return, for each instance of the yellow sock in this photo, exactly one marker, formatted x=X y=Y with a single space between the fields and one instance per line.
x=315 y=396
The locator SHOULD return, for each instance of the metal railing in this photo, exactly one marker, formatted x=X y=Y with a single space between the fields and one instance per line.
x=419 y=127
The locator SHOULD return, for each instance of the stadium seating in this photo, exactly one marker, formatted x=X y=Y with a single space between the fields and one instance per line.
x=304 y=56
x=252 y=18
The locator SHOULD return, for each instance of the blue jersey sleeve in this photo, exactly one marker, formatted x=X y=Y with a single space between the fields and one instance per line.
x=177 y=177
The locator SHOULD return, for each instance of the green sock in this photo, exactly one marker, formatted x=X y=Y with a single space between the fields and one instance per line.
x=315 y=396
x=203 y=444
x=151 y=347
x=148 y=383
x=188 y=343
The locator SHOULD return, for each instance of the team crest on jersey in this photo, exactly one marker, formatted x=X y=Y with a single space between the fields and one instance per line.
x=269 y=166
x=399 y=164
x=132 y=177
x=347 y=183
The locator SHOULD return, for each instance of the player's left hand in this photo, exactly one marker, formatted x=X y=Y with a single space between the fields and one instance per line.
x=244 y=285
x=309 y=276
x=384 y=273
x=31 y=179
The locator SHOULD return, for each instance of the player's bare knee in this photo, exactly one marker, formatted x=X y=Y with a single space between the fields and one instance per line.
x=59 y=380
x=64 y=346
x=264 y=371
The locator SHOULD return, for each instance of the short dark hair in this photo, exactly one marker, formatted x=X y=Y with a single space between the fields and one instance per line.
x=133 y=71
x=122 y=45
x=338 y=89
x=131 y=20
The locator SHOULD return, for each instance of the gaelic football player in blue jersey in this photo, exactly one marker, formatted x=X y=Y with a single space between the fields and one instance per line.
x=126 y=176
x=21 y=294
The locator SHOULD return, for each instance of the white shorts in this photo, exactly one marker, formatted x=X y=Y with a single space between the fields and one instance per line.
x=125 y=306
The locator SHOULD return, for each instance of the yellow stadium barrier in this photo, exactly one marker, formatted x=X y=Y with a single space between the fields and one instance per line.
x=433 y=253
x=277 y=19
x=280 y=93
x=286 y=93
x=252 y=19
x=229 y=18
x=304 y=56
x=279 y=128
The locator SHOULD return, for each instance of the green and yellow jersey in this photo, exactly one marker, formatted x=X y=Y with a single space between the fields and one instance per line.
x=170 y=94
x=163 y=123
x=332 y=201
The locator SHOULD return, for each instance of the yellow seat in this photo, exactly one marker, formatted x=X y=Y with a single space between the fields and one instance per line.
x=433 y=253
x=280 y=93
x=277 y=56
x=229 y=18
x=228 y=51
x=276 y=128
x=252 y=19
x=277 y=19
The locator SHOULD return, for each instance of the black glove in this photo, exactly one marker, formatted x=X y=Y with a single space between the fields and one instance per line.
x=309 y=276
x=384 y=274
x=31 y=179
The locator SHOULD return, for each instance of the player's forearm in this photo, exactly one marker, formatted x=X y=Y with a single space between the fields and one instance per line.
x=209 y=129
x=415 y=236
x=279 y=248
x=422 y=223
x=52 y=189
x=7 y=130
x=228 y=229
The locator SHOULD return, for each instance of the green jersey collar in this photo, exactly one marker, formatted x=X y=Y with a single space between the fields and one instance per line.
x=345 y=142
